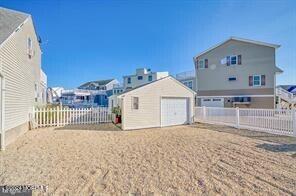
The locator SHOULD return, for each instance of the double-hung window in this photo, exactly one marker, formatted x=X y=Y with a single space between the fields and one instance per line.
x=140 y=77
x=201 y=64
x=233 y=60
x=128 y=80
x=257 y=80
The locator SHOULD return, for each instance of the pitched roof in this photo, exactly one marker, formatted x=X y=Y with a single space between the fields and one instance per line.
x=241 y=40
x=10 y=20
x=96 y=83
x=174 y=79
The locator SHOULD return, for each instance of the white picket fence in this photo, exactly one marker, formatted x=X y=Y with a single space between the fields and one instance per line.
x=48 y=117
x=275 y=121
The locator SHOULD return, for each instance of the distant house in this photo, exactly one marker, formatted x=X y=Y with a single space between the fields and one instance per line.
x=188 y=78
x=99 y=85
x=237 y=73
x=22 y=80
x=78 y=98
x=91 y=94
x=142 y=76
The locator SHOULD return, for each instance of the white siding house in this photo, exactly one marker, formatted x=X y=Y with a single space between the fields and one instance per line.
x=20 y=71
x=165 y=102
x=142 y=76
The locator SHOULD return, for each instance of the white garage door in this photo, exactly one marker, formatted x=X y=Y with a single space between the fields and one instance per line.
x=212 y=102
x=174 y=111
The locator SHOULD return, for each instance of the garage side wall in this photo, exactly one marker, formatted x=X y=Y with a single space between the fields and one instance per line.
x=148 y=114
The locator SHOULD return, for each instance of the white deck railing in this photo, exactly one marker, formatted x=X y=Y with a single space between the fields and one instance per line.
x=286 y=95
x=282 y=122
x=47 y=117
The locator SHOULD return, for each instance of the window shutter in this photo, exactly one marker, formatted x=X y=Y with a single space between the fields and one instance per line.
x=239 y=59
x=263 y=80
x=206 y=63
x=228 y=60
x=250 y=80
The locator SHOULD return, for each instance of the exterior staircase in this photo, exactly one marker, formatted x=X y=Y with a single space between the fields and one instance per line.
x=285 y=99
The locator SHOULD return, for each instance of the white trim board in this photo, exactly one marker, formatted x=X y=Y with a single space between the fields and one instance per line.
x=238 y=39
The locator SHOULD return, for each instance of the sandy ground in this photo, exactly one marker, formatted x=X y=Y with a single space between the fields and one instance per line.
x=185 y=160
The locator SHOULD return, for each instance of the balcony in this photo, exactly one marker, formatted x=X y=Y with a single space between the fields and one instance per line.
x=185 y=75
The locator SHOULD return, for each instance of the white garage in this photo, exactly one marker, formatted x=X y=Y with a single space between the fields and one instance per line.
x=212 y=102
x=174 y=111
x=165 y=102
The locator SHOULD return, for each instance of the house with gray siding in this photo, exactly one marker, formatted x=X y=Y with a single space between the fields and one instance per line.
x=22 y=80
x=237 y=73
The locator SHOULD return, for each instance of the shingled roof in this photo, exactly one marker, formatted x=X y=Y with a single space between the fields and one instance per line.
x=10 y=20
x=95 y=83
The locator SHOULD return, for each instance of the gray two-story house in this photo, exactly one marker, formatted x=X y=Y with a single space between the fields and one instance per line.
x=237 y=73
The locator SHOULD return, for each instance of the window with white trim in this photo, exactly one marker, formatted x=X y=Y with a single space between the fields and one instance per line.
x=135 y=103
x=231 y=60
x=201 y=64
x=257 y=80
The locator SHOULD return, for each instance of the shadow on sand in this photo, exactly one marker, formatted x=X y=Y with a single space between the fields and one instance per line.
x=276 y=143
x=91 y=127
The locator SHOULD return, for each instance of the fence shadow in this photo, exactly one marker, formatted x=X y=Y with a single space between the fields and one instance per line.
x=279 y=139
x=278 y=147
x=91 y=127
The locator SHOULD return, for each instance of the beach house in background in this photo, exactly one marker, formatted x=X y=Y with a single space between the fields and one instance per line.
x=142 y=76
x=188 y=79
x=91 y=94
x=237 y=73
x=23 y=83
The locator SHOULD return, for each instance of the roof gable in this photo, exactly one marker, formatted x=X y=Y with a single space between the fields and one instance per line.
x=10 y=20
x=240 y=40
x=165 y=78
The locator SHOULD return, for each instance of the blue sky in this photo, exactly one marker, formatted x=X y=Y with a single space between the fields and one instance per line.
x=91 y=40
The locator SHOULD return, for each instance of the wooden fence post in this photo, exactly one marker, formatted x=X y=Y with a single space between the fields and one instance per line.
x=294 y=121
x=237 y=117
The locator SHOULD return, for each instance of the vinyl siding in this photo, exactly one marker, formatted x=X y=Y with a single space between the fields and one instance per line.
x=148 y=114
x=21 y=74
x=256 y=60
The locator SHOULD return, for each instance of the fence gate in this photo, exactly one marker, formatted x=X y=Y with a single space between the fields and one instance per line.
x=47 y=117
